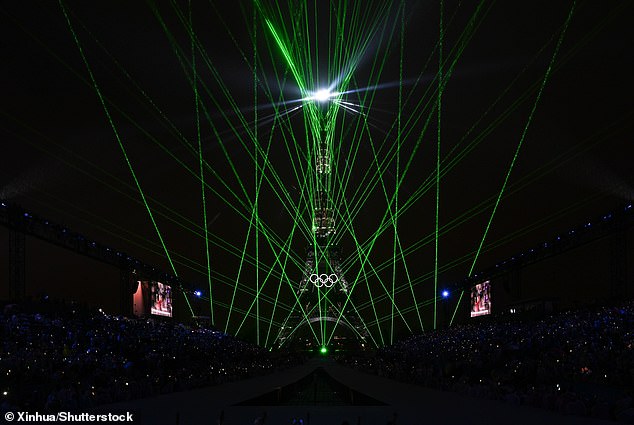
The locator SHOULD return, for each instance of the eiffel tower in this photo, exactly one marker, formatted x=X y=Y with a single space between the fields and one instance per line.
x=323 y=289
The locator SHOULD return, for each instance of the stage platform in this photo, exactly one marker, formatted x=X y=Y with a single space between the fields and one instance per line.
x=413 y=405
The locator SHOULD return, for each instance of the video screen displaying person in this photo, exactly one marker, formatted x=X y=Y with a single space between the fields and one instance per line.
x=161 y=299
x=481 y=299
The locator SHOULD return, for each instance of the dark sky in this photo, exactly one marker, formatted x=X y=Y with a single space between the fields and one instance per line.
x=61 y=158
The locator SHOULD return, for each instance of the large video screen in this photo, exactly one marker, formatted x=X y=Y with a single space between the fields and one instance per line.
x=481 y=299
x=161 y=299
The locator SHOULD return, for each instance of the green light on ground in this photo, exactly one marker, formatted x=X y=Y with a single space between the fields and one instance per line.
x=323 y=350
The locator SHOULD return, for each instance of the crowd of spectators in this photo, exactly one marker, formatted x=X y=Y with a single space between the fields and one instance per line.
x=75 y=358
x=579 y=362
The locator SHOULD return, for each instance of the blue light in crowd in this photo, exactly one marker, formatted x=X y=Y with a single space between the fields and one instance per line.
x=198 y=293
x=445 y=293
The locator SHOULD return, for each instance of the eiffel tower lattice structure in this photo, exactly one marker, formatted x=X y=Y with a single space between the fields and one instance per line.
x=322 y=293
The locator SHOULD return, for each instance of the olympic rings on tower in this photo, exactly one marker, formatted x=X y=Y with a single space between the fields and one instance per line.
x=323 y=279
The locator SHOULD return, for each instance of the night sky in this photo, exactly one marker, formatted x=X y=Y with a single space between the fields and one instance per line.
x=61 y=158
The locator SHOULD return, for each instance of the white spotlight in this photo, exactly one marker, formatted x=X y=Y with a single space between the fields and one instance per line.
x=322 y=95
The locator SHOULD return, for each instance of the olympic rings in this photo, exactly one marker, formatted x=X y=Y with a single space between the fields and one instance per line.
x=323 y=279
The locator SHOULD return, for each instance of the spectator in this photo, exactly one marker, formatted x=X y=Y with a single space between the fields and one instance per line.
x=94 y=358
x=578 y=363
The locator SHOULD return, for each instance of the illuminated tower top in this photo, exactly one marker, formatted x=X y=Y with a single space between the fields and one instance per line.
x=323 y=214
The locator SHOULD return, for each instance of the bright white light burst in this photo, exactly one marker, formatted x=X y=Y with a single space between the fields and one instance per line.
x=323 y=95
